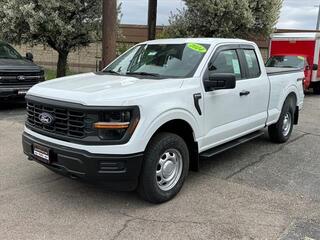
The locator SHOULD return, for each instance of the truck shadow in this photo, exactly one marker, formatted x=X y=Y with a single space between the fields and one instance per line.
x=9 y=109
x=245 y=159
x=12 y=105
x=13 y=111
x=92 y=197
x=229 y=162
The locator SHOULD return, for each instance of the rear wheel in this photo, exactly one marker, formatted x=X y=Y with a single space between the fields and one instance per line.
x=165 y=168
x=280 y=132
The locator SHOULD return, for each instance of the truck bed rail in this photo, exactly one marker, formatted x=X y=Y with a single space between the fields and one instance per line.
x=278 y=71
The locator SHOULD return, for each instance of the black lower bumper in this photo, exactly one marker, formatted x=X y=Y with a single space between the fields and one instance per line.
x=116 y=172
x=13 y=91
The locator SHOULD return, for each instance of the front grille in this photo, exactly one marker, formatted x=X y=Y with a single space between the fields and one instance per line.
x=73 y=122
x=66 y=122
x=20 y=77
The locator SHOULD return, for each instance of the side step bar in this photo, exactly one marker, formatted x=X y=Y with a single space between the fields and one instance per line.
x=216 y=150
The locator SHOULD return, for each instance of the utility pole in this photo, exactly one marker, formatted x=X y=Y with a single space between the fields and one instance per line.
x=109 y=31
x=318 y=22
x=152 y=19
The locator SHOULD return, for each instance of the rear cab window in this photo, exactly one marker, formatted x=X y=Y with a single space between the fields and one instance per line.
x=253 y=65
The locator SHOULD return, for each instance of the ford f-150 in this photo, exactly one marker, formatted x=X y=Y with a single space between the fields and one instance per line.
x=148 y=118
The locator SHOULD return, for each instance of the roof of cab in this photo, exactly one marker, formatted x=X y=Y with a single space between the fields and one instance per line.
x=296 y=35
x=198 y=40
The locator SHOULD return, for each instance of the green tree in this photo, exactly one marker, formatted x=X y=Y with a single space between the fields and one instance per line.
x=266 y=15
x=62 y=25
x=228 y=18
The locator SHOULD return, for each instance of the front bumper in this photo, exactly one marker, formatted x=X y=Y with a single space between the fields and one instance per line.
x=14 y=91
x=116 y=172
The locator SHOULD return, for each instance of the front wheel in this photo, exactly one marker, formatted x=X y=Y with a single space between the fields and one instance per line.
x=165 y=168
x=281 y=131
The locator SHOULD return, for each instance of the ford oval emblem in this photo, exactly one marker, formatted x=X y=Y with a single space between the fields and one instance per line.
x=21 y=78
x=46 y=118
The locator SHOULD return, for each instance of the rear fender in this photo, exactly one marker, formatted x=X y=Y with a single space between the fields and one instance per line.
x=290 y=91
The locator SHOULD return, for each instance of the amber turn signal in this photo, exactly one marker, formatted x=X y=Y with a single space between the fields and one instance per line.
x=111 y=125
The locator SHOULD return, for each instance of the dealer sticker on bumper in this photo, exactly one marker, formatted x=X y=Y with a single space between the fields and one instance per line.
x=41 y=153
x=22 y=92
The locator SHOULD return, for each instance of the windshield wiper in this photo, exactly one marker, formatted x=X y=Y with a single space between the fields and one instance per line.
x=112 y=72
x=143 y=74
x=287 y=67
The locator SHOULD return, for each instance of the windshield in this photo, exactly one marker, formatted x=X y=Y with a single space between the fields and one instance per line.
x=287 y=62
x=8 y=52
x=160 y=60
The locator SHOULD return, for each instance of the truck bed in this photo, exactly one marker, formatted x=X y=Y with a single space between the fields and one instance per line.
x=283 y=80
x=278 y=71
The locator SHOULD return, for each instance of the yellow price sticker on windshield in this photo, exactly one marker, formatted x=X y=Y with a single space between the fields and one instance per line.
x=197 y=47
x=301 y=58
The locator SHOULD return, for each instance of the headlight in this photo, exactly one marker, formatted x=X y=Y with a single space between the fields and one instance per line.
x=116 y=125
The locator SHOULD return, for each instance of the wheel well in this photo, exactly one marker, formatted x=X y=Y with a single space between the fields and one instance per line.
x=184 y=130
x=293 y=98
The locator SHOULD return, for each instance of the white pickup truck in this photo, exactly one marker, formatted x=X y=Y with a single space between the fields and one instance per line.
x=145 y=120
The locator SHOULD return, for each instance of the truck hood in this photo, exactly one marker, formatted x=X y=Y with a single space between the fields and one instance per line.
x=17 y=65
x=102 y=89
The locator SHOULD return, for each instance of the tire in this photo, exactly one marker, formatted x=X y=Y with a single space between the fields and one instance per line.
x=165 y=167
x=316 y=88
x=281 y=131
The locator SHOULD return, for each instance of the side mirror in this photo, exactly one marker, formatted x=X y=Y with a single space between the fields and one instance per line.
x=315 y=67
x=29 y=56
x=219 y=81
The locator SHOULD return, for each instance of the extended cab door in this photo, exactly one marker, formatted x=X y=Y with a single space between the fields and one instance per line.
x=257 y=83
x=232 y=113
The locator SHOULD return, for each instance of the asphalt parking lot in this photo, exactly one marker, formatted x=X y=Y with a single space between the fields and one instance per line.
x=259 y=190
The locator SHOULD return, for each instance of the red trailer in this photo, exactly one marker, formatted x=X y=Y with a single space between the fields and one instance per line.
x=297 y=50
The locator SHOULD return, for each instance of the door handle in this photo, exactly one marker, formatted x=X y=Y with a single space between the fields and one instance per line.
x=244 y=93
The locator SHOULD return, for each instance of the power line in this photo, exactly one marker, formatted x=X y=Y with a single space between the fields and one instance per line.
x=318 y=21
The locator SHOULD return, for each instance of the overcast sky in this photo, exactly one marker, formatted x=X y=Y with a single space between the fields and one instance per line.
x=296 y=14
